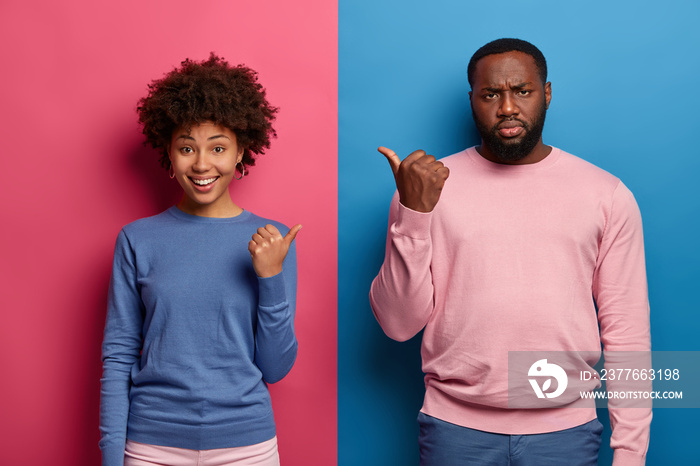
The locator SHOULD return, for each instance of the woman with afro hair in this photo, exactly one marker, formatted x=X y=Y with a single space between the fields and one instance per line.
x=202 y=296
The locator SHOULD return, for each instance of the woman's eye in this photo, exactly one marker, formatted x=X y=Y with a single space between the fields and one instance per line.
x=186 y=150
x=219 y=150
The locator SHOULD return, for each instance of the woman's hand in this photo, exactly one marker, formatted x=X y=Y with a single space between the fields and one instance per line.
x=268 y=249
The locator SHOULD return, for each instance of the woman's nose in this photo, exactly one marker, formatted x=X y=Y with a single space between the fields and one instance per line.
x=201 y=162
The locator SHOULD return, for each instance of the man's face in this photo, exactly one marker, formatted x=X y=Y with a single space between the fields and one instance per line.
x=509 y=103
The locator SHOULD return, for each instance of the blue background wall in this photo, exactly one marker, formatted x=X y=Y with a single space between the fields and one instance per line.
x=626 y=96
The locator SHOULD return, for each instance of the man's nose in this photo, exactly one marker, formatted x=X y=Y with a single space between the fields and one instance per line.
x=508 y=106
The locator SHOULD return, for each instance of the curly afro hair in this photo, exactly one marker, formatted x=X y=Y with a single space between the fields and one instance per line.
x=210 y=90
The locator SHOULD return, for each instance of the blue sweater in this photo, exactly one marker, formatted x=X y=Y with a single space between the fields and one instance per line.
x=193 y=335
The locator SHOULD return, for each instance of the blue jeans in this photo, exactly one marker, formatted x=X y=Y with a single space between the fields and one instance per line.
x=444 y=444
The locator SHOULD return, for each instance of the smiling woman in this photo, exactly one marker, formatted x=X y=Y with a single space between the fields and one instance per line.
x=202 y=296
x=204 y=160
x=210 y=91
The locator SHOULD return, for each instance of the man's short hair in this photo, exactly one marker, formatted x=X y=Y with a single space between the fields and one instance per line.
x=508 y=45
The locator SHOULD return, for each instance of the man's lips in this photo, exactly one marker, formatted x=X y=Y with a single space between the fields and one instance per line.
x=509 y=129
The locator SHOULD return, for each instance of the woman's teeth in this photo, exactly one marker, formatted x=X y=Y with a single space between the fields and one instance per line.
x=204 y=182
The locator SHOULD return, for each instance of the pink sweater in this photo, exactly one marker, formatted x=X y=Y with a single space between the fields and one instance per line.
x=510 y=259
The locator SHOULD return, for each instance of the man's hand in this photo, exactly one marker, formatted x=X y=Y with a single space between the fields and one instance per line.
x=268 y=249
x=419 y=178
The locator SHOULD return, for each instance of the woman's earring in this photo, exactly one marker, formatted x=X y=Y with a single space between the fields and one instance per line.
x=241 y=170
x=171 y=172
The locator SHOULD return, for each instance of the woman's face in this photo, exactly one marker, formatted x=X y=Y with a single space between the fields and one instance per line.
x=204 y=161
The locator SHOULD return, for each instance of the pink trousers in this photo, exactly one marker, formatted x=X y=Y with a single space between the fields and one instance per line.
x=261 y=454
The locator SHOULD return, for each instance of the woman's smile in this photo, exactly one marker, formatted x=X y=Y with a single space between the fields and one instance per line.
x=204 y=159
x=203 y=184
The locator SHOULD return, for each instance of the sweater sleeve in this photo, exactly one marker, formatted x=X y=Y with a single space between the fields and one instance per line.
x=275 y=340
x=620 y=291
x=401 y=295
x=121 y=349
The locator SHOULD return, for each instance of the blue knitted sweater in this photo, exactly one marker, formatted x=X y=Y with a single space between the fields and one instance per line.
x=193 y=335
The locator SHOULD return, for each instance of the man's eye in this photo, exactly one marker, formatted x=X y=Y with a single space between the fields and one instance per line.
x=490 y=96
x=523 y=92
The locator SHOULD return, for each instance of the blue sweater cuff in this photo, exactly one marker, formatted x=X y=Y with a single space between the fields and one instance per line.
x=272 y=291
x=113 y=455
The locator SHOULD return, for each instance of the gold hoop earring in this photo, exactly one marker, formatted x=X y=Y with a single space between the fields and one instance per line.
x=242 y=171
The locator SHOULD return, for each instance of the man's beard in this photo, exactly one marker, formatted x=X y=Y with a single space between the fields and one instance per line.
x=512 y=151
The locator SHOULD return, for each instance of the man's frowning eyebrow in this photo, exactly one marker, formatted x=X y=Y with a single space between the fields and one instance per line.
x=499 y=89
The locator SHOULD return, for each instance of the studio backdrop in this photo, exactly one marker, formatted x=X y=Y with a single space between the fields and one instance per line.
x=77 y=171
x=348 y=76
x=623 y=77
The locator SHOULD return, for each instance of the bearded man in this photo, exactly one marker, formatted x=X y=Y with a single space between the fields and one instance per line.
x=506 y=247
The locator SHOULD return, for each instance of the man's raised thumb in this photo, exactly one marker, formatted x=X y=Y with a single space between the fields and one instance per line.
x=391 y=156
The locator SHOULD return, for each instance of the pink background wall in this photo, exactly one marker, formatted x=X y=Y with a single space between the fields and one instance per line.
x=75 y=171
